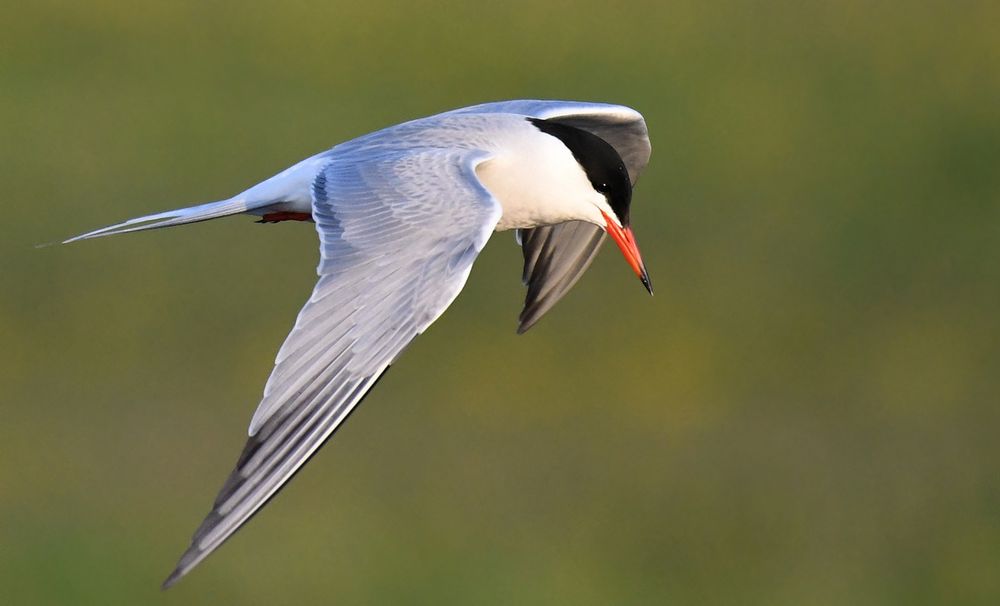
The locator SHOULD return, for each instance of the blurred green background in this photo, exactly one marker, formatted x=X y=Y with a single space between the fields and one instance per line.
x=806 y=413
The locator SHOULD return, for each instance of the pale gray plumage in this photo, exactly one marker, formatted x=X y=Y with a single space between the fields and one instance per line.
x=401 y=215
x=378 y=289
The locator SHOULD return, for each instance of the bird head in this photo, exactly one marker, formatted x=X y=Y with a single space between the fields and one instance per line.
x=610 y=179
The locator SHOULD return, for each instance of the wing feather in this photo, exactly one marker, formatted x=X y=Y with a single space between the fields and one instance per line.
x=393 y=257
x=555 y=257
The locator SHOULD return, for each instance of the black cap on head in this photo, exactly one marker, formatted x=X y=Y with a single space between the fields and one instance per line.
x=600 y=161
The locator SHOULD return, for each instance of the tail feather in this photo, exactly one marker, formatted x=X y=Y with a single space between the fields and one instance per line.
x=170 y=218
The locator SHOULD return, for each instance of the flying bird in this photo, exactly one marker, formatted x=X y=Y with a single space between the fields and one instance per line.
x=402 y=213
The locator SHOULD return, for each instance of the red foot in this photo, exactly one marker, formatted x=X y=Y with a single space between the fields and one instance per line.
x=285 y=216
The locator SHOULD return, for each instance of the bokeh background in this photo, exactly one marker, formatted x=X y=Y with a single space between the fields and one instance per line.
x=807 y=411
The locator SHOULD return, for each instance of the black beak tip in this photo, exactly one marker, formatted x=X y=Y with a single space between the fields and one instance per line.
x=644 y=278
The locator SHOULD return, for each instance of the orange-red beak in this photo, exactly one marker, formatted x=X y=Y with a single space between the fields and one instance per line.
x=625 y=240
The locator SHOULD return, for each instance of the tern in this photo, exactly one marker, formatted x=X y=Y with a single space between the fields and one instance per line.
x=402 y=213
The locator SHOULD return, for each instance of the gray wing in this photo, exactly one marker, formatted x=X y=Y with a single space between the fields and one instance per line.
x=398 y=233
x=556 y=256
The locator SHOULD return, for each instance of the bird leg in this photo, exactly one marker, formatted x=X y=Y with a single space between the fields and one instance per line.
x=285 y=216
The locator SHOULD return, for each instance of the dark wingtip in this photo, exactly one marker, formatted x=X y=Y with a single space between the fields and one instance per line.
x=172 y=579
x=188 y=561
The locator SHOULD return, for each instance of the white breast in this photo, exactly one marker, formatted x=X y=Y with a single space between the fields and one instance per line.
x=537 y=181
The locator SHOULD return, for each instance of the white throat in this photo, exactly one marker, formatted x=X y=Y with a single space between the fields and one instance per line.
x=537 y=181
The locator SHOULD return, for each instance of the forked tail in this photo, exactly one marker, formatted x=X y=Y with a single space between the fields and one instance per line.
x=286 y=193
x=170 y=218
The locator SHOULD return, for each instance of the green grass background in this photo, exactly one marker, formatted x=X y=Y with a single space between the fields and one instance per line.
x=806 y=413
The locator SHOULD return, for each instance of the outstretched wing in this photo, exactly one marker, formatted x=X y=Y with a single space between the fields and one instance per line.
x=398 y=231
x=555 y=256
